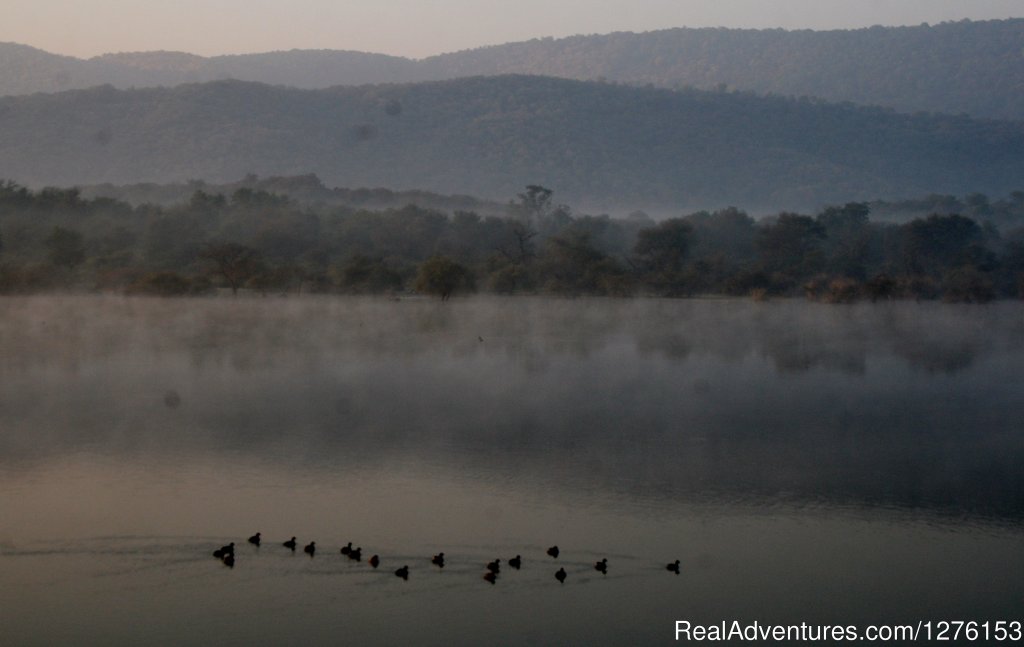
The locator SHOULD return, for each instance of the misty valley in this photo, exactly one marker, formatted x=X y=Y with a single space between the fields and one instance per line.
x=804 y=462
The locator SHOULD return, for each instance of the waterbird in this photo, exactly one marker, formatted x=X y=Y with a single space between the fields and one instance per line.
x=345 y=550
x=674 y=567
x=495 y=566
x=229 y=560
x=219 y=553
x=290 y=544
x=490 y=577
x=255 y=539
x=356 y=554
x=553 y=551
x=560 y=575
x=438 y=560
x=310 y=548
x=229 y=549
x=375 y=561
x=602 y=566
x=516 y=562
x=403 y=572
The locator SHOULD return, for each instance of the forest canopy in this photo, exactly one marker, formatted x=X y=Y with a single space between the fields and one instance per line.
x=259 y=242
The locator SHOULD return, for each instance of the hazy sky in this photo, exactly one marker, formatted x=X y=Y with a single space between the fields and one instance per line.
x=419 y=28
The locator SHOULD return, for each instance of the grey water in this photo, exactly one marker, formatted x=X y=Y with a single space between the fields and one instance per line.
x=805 y=463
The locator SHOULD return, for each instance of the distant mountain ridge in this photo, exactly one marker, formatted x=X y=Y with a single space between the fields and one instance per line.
x=24 y=70
x=599 y=146
x=968 y=67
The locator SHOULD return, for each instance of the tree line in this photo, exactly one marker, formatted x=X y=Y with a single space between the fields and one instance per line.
x=53 y=239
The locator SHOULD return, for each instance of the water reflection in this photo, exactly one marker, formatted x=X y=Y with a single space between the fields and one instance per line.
x=775 y=448
x=905 y=405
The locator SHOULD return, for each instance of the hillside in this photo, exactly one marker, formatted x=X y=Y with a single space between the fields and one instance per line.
x=964 y=67
x=600 y=146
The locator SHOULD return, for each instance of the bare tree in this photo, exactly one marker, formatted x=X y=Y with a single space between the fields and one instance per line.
x=235 y=263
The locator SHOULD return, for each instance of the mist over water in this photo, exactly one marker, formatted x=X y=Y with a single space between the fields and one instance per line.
x=804 y=462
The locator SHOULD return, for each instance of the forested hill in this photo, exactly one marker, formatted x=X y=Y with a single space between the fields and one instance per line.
x=600 y=146
x=963 y=67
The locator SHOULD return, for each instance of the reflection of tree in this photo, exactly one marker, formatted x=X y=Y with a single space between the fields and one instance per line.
x=790 y=359
x=589 y=378
x=671 y=344
x=937 y=357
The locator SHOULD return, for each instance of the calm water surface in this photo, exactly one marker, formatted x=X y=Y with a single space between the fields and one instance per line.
x=805 y=463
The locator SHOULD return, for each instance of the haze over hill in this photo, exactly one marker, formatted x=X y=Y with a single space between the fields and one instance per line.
x=600 y=146
x=962 y=67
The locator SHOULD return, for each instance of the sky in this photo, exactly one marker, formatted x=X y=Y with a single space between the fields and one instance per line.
x=419 y=28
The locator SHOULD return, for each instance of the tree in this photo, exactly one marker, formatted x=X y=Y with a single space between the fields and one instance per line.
x=967 y=284
x=65 y=247
x=536 y=202
x=202 y=203
x=537 y=210
x=411 y=232
x=175 y=240
x=791 y=246
x=661 y=253
x=848 y=239
x=727 y=233
x=235 y=263
x=665 y=245
x=572 y=265
x=362 y=274
x=441 y=276
x=163 y=283
x=938 y=243
x=521 y=250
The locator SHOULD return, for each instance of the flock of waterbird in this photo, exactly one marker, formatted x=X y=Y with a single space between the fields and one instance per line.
x=227 y=555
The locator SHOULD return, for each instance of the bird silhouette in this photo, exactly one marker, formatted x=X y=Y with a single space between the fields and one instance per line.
x=490 y=577
x=290 y=544
x=553 y=551
x=345 y=550
x=495 y=566
x=403 y=572
x=310 y=548
x=255 y=539
x=438 y=560
x=229 y=560
x=375 y=561
x=516 y=562
x=602 y=566
x=356 y=554
x=674 y=567
x=560 y=575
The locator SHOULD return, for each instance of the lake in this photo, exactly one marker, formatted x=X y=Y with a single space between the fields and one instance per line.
x=805 y=463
